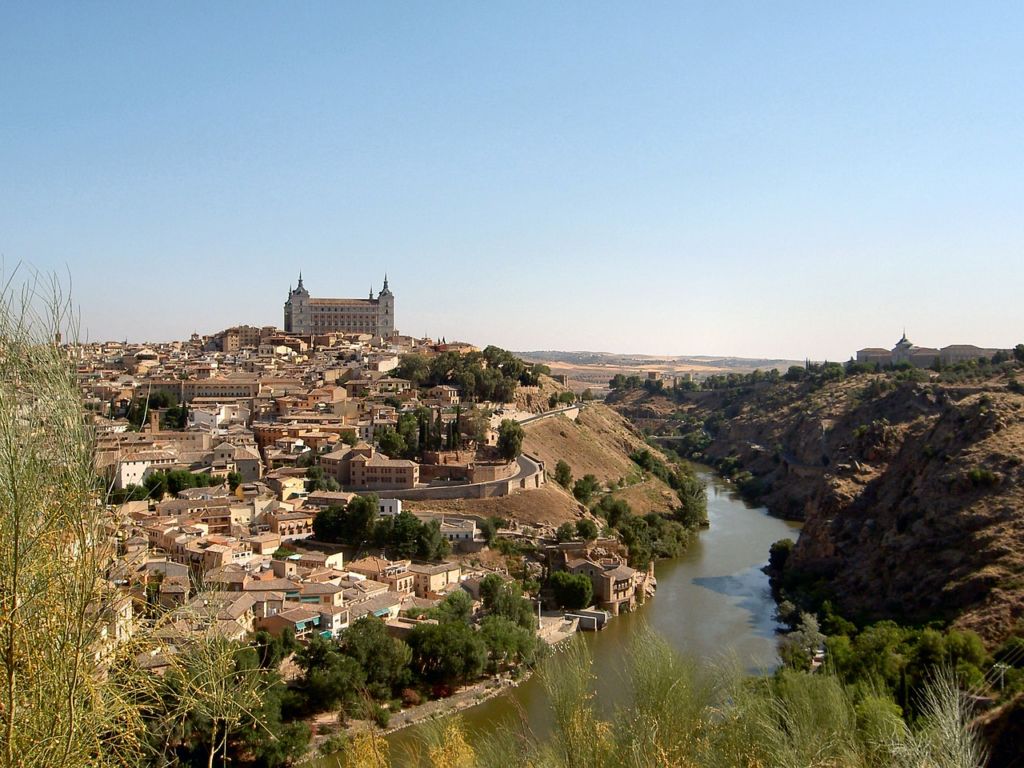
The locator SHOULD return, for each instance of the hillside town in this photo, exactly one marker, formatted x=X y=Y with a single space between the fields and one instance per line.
x=234 y=462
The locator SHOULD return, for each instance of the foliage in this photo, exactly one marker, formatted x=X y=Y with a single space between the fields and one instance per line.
x=586 y=529
x=140 y=408
x=585 y=488
x=458 y=606
x=317 y=480
x=448 y=652
x=778 y=554
x=507 y=642
x=390 y=442
x=510 y=439
x=383 y=659
x=58 y=704
x=679 y=714
x=681 y=478
x=330 y=679
x=489 y=528
x=565 y=532
x=563 y=474
x=489 y=375
x=504 y=598
x=352 y=524
x=160 y=483
x=571 y=590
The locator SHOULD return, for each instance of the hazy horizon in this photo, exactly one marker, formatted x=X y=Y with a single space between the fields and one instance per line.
x=739 y=179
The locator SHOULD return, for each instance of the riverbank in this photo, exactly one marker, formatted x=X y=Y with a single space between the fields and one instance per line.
x=713 y=604
x=554 y=631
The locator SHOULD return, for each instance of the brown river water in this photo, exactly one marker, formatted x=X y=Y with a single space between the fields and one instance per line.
x=713 y=604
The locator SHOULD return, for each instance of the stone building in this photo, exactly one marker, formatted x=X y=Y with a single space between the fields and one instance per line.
x=908 y=353
x=306 y=315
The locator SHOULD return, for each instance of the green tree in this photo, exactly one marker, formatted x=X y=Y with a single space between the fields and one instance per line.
x=585 y=488
x=390 y=442
x=502 y=597
x=432 y=543
x=587 y=529
x=449 y=652
x=563 y=474
x=510 y=439
x=382 y=658
x=458 y=606
x=565 y=532
x=330 y=679
x=489 y=528
x=571 y=590
x=507 y=642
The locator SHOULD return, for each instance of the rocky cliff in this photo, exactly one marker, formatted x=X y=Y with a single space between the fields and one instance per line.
x=912 y=491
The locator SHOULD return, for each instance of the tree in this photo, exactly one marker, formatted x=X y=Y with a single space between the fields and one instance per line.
x=563 y=474
x=234 y=480
x=571 y=590
x=585 y=488
x=565 y=532
x=432 y=544
x=613 y=510
x=383 y=659
x=510 y=439
x=778 y=554
x=449 y=652
x=586 y=529
x=458 y=606
x=798 y=647
x=360 y=517
x=390 y=442
x=415 y=368
x=504 y=598
x=328 y=524
x=1018 y=353
x=489 y=528
x=330 y=678
x=507 y=642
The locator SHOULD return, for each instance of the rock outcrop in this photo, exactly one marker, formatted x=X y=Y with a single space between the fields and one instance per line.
x=912 y=493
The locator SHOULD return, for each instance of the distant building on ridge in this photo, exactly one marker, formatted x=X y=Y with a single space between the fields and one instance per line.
x=305 y=315
x=922 y=357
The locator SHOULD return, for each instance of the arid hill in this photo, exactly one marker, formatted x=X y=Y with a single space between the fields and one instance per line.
x=599 y=443
x=912 y=491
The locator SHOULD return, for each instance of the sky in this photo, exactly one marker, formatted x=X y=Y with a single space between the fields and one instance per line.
x=784 y=179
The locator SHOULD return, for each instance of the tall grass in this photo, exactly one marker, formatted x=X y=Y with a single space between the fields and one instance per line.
x=56 y=611
x=71 y=691
x=682 y=715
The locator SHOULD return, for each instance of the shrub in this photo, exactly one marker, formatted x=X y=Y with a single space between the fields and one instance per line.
x=982 y=478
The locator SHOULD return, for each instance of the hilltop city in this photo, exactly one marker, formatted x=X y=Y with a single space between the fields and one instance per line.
x=227 y=454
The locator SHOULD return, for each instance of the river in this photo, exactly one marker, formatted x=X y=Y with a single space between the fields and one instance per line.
x=711 y=602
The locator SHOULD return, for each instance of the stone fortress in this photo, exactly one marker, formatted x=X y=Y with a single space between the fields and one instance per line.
x=306 y=315
x=922 y=357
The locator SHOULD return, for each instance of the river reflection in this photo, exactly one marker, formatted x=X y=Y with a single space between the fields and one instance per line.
x=713 y=603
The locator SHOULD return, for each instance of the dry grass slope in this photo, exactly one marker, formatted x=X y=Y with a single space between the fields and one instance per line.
x=599 y=444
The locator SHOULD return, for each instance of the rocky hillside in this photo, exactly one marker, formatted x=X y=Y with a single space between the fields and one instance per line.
x=599 y=443
x=912 y=490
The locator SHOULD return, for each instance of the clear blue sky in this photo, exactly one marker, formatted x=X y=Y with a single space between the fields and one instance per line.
x=759 y=179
